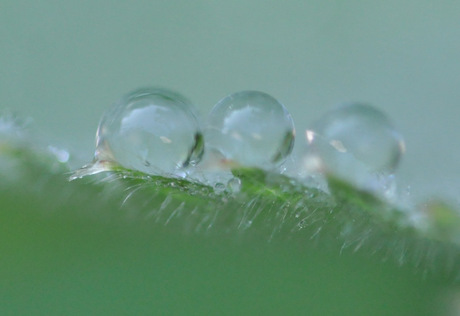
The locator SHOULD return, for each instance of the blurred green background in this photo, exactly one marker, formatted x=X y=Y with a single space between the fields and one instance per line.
x=63 y=63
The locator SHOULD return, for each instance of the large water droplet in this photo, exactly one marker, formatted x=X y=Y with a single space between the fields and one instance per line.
x=151 y=130
x=250 y=128
x=353 y=142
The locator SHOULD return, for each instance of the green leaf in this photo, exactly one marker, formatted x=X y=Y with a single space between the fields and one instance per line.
x=130 y=243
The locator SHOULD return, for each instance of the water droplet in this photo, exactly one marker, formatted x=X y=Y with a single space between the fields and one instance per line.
x=151 y=130
x=353 y=142
x=250 y=128
x=234 y=185
x=219 y=188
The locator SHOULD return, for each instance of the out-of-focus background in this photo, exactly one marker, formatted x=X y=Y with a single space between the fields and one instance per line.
x=63 y=63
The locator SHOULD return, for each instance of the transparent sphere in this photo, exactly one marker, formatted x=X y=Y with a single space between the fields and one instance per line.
x=354 y=140
x=250 y=128
x=151 y=130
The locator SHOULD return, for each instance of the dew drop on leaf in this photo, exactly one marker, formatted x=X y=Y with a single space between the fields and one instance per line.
x=352 y=142
x=250 y=128
x=219 y=188
x=234 y=185
x=152 y=130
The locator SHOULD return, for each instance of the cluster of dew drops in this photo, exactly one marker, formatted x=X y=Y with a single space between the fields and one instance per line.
x=158 y=132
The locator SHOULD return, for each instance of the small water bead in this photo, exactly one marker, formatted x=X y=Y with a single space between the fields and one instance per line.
x=219 y=188
x=250 y=128
x=353 y=141
x=234 y=185
x=151 y=130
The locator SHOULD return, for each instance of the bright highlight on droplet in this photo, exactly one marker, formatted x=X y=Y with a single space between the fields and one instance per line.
x=250 y=128
x=152 y=130
x=353 y=141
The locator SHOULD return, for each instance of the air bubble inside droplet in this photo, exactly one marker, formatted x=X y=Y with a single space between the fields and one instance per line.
x=250 y=128
x=152 y=130
x=353 y=142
